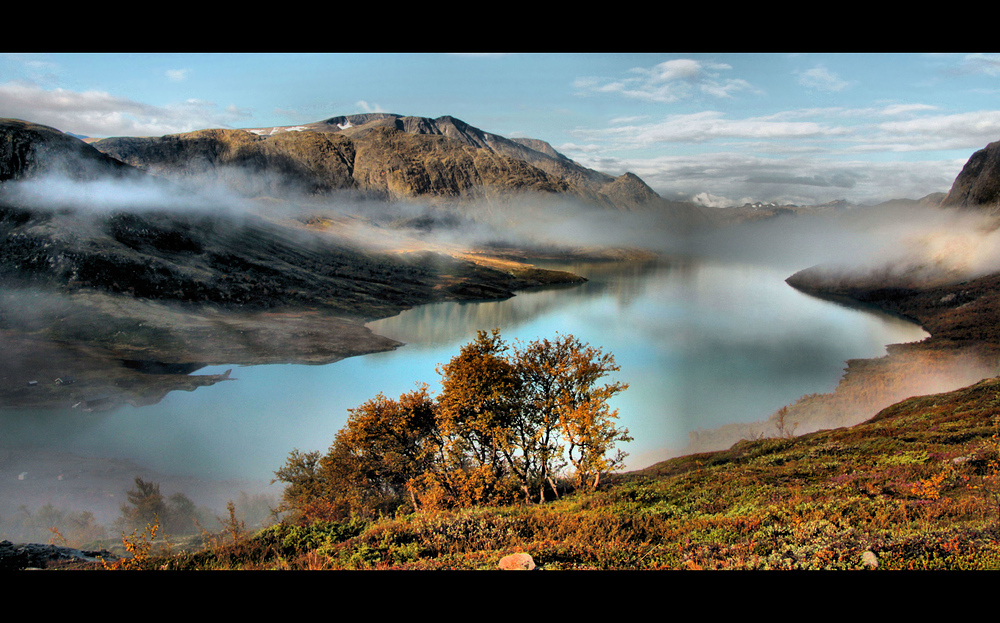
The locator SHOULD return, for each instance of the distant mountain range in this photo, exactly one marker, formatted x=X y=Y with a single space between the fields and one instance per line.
x=393 y=157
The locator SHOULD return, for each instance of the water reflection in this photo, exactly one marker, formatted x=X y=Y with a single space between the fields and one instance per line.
x=700 y=345
x=450 y=323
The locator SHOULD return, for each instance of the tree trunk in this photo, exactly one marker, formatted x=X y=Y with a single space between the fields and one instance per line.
x=553 y=485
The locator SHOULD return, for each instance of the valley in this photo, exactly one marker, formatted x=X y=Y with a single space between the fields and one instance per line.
x=125 y=276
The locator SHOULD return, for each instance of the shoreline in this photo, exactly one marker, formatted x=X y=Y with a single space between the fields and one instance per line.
x=952 y=357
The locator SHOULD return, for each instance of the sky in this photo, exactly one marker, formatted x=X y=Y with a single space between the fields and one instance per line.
x=716 y=128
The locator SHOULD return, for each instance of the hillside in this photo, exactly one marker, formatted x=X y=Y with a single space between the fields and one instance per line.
x=978 y=185
x=31 y=149
x=912 y=488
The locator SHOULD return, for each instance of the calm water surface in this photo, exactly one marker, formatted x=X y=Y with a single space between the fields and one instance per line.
x=700 y=345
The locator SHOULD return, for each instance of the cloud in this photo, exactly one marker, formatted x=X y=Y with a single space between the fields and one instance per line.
x=960 y=130
x=709 y=125
x=836 y=180
x=823 y=79
x=99 y=114
x=576 y=148
x=804 y=179
x=632 y=119
x=177 y=75
x=983 y=63
x=903 y=109
x=667 y=82
x=800 y=156
x=713 y=201
x=366 y=107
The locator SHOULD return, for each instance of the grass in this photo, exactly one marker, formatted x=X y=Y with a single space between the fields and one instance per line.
x=913 y=488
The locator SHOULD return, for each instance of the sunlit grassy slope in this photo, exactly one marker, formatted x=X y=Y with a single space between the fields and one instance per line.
x=913 y=488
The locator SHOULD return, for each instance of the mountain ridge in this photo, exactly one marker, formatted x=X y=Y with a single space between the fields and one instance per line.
x=383 y=154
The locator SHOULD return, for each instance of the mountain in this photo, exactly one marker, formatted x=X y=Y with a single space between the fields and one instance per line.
x=536 y=152
x=384 y=155
x=31 y=149
x=978 y=185
x=87 y=288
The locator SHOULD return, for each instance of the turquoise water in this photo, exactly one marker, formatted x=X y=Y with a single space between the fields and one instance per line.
x=700 y=345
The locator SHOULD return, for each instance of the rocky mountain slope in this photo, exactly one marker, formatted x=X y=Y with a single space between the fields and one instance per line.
x=978 y=185
x=31 y=149
x=387 y=156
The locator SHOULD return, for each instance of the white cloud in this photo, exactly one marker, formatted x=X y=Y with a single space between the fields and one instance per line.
x=713 y=201
x=667 y=82
x=823 y=79
x=902 y=109
x=576 y=148
x=711 y=179
x=983 y=63
x=709 y=125
x=366 y=107
x=97 y=113
x=177 y=75
x=633 y=119
x=954 y=131
x=680 y=69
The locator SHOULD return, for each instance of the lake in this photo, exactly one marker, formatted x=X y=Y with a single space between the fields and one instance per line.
x=701 y=344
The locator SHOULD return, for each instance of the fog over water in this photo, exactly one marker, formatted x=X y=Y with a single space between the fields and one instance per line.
x=714 y=338
x=701 y=345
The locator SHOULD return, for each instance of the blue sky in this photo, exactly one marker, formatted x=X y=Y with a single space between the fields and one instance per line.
x=717 y=128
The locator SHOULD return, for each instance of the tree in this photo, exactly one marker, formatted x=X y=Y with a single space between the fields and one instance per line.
x=477 y=411
x=525 y=413
x=182 y=515
x=145 y=505
x=306 y=491
x=566 y=415
x=505 y=420
x=386 y=445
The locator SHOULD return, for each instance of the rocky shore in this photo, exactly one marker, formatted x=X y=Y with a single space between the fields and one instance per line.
x=23 y=556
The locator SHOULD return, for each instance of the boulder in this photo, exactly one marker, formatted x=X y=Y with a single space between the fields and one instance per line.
x=517 y=562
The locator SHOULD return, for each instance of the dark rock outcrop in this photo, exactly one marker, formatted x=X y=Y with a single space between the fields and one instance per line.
x=28 y=149
x=36 y=556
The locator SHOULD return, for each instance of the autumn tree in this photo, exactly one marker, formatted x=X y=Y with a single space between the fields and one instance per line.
x=506 y=420
x=477 y=413
x=527 y=412
x=565 y=411
x=385 y=446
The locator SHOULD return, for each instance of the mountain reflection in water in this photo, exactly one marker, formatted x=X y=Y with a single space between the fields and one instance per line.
x=700 y=345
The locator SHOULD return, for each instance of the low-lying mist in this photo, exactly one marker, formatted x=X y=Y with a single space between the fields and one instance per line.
x=915 y=243
x=909 y=240
x=921 y=243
